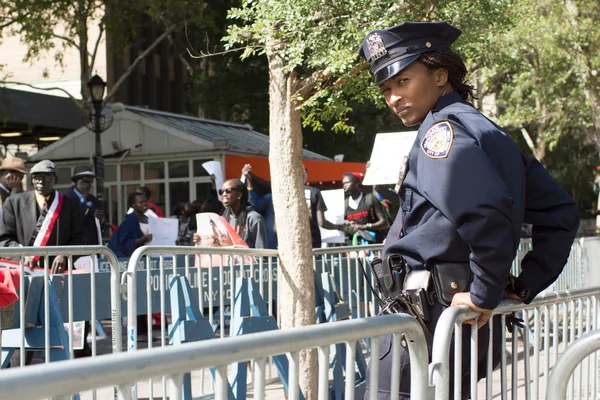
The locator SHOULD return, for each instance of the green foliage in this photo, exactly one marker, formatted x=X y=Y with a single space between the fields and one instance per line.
x=319 y=40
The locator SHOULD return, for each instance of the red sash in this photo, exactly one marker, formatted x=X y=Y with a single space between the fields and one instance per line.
x=46 y=229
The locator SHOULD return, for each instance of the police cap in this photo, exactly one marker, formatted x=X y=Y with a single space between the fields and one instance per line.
x=391 y=50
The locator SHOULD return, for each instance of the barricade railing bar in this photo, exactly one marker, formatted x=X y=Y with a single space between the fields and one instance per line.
x=67 y=378
x=53 y=293
x=570 y=359
x=355 y=288
x=70 y=251
x=575 y=311
x=209 y=265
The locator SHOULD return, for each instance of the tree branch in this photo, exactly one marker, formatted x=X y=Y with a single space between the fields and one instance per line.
x=431 y=10
x=528 y=139
x=204 y=55
x=77 y=101
x=185 y=62
x=134 y=65
x=7 y=24
x=307 y=89
x=96 y=46
x=66 y=39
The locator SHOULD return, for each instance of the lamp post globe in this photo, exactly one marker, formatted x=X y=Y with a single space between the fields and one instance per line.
x=97 y=87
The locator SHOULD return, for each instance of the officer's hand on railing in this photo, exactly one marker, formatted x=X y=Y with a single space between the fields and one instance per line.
x=464 y=298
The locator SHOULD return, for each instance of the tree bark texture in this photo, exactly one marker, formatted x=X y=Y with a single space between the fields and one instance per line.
x=296 y=296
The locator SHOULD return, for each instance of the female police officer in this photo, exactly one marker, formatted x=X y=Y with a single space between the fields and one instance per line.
x=466 y=188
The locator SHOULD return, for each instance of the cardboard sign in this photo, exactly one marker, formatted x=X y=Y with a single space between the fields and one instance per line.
x=164 y=231
x=334 y=200
x=388 y=153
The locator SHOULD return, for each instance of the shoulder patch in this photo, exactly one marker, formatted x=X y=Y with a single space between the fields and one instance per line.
x=438 y=140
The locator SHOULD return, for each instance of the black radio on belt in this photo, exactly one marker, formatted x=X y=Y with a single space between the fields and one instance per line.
x=389 y=275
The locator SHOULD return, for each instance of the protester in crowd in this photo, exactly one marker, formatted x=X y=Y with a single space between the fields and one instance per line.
x=363 y=211
x=316 y=207
x=151 y=206
x=263 y=204
x=12 y=172
x=134 y=231
x=212 y=203
x=42 y=217
x=152 y=209
x=184 y=212
x=83 y=179
x=249 y=224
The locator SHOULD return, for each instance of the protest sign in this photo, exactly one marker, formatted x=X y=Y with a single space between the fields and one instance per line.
x=164 y=231
x=334 y=200
x=389 y=151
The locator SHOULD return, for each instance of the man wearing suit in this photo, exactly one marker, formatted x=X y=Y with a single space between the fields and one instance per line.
x=42 y=217
x=91 y=209
x=12 y=172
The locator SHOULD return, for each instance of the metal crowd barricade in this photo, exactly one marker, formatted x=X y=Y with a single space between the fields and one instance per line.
x=215 y=285
x=577 y=352
x=30 y=305
x=346 y=265
x=350 y=268
x=555 y=319
x=119 y=369
x=573 y=274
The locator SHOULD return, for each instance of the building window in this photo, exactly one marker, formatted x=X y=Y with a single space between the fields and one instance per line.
x=180 y=192
x=199 y=169
x=154 y=170
x=131 y=172
x=179 y=169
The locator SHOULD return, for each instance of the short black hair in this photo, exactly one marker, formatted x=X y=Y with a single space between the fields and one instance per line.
x=132 y=196
x=145 y=191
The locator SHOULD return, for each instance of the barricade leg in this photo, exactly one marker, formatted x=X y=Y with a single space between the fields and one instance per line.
x=188 y=325
x=250 y=315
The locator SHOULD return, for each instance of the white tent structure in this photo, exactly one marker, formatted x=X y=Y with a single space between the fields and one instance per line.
x=160 y=150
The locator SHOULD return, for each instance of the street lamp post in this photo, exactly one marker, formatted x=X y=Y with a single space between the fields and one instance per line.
x=97 y=87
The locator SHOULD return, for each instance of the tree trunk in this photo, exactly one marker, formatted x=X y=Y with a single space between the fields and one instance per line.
x=296 y=280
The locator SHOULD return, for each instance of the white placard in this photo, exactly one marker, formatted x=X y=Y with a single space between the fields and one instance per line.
x=389 y=150
x=334 y=200
x=214 y=168
x=164 y=231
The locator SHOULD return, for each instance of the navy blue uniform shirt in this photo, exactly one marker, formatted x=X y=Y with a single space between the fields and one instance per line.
x=467 y=191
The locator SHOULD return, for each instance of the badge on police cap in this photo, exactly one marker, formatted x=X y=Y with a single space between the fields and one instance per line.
x=376 y=46
x=438 y=140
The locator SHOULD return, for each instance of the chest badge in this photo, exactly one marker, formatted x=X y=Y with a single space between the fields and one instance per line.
x=438 y=140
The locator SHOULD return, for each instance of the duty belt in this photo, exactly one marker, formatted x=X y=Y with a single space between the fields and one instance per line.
x=402 y=290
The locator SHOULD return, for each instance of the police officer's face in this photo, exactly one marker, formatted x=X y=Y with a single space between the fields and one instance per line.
x=414 y=92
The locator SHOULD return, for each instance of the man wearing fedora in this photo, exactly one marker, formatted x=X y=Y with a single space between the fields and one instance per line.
x=42 y=217
x=83 y=179
x=12 y=171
